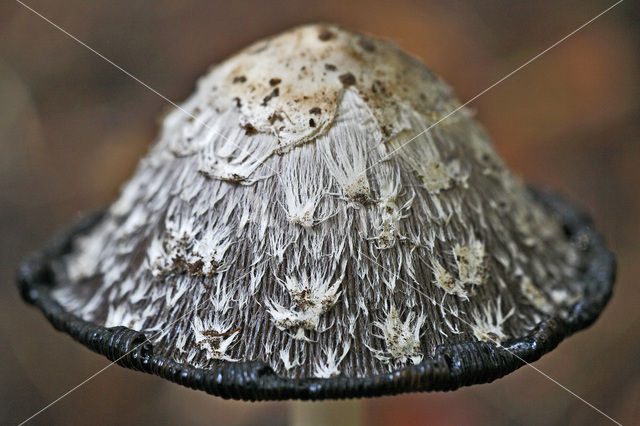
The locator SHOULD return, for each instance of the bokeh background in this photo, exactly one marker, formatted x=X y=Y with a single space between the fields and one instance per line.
x=72 y=128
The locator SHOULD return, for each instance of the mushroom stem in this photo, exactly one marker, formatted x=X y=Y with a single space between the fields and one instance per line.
x=321 y=413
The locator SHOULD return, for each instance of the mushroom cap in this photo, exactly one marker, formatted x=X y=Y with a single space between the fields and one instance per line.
x=314 y=223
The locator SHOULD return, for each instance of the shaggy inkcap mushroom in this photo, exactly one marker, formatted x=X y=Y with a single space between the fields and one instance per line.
x=283 y=240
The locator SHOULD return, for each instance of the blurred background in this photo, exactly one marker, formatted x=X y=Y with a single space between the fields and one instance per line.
x=73 y=127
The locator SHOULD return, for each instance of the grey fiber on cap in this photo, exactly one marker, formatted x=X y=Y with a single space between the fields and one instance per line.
x=295 y=233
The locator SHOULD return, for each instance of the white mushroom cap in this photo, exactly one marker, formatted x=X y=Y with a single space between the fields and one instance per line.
x=273 y=225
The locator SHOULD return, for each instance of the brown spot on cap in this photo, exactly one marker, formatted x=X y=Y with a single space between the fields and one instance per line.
x=315 y=110
x=275 y=116
x=274 y=81
x=196 y=268
x=213 y=333
x=249 y=129
x=239 y=79
x=378 y=87
x=312 y=122
x=273 y=94
x=367 y=44
x=325 y=35
x=347 y=79
x=330 y=67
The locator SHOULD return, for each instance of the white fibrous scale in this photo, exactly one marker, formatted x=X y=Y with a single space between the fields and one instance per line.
x=298 y=214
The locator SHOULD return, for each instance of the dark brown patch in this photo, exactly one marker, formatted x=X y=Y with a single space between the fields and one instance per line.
x=315 y=110
x=312 y=122
x=274 y=81
x=239 y=79
x=347 y=79
x=366 y=45
x=249 y=130
x=181 y=266
x=212 y=333
x=330 y=67
x=238 y=102
x=270 y=96
x=274 y=117
x=378 y=87
x=362 y=198
x=196 y=267
x=325 y=35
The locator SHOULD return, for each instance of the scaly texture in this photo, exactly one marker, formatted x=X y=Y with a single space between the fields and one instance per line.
x=275 y=226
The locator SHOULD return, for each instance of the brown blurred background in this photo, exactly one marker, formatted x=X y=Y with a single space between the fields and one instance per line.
x=72 y=129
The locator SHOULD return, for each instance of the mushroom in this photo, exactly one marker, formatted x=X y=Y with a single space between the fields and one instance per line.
x=302 y=230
